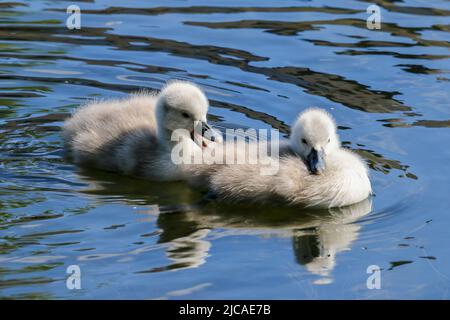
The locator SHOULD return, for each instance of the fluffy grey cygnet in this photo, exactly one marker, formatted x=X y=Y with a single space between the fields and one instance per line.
x=134 y=135
x=318 y=173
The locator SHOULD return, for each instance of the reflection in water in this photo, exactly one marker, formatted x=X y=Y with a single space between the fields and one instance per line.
x=336 y=88
x=215 y=9
x=318 y=236
x=316 y=249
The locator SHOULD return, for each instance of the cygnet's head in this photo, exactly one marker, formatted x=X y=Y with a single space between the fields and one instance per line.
x=313 y=137
x=183 y=105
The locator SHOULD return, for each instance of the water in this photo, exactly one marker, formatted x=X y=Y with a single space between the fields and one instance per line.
x=260 y=62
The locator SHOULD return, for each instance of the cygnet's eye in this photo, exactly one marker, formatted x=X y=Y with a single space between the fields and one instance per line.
x=304 y=141
x=329 y=140
x=185 y=115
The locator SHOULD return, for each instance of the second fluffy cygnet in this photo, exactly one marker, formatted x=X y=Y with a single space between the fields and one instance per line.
x=318 y=173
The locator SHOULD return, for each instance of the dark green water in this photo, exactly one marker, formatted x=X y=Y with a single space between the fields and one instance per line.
x=260 y=63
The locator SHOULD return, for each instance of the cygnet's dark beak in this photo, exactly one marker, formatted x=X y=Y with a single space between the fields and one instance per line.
x=211 y=134
x=315 y=161
x=207 y=132
x=204 y=130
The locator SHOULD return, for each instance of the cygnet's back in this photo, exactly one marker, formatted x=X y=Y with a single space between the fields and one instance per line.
x=95 y=132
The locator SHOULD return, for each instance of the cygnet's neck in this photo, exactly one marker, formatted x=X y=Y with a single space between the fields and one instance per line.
x=293 y=147
x=163 y=134
x=181 y=141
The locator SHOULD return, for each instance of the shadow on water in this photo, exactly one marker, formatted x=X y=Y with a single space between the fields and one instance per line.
x=334 y=87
